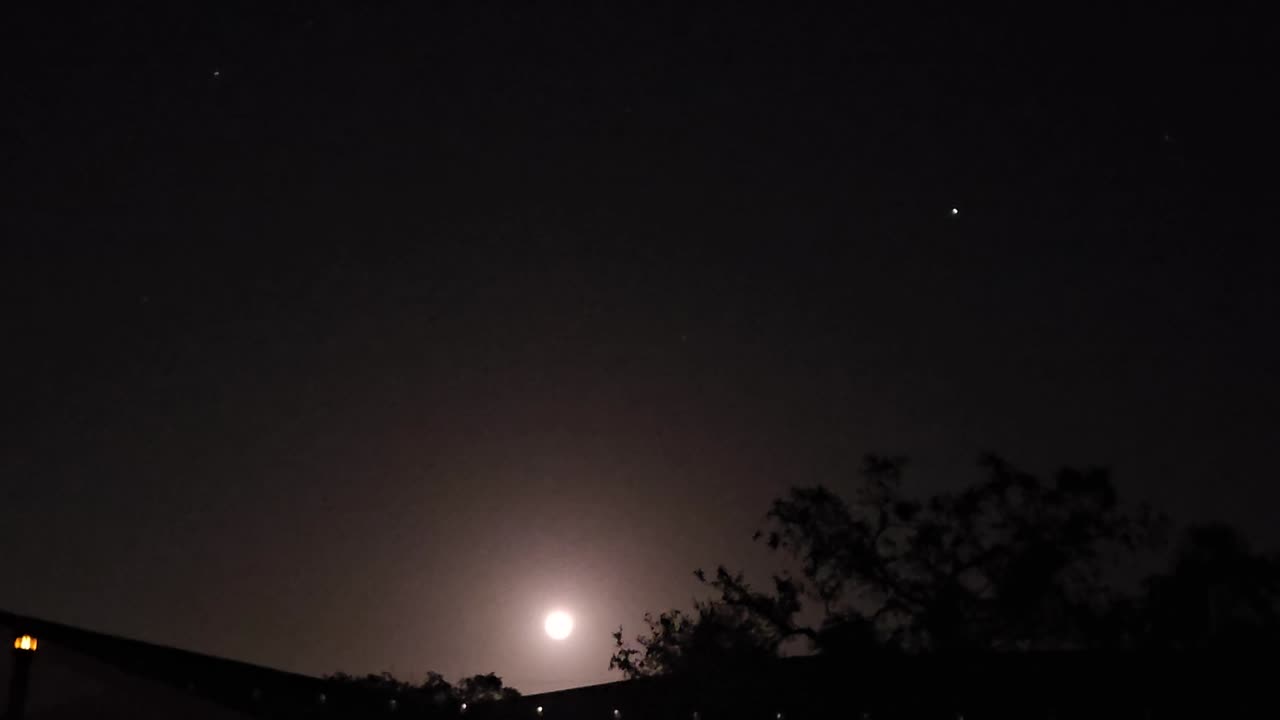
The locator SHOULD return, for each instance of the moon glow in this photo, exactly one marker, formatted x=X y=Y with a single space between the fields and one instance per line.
x=559 y=625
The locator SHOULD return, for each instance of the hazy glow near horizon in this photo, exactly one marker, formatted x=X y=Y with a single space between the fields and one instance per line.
x=559 y=625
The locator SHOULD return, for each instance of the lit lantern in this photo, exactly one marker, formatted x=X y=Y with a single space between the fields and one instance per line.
x=26 y=642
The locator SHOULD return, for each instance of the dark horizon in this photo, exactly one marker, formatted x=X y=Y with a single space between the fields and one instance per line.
x=358 y=336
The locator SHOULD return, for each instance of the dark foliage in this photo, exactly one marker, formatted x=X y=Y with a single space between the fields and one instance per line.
x=433 y=694
x=1011 y=563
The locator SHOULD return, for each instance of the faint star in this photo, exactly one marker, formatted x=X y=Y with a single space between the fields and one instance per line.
x=217 y=73
x=955 y=211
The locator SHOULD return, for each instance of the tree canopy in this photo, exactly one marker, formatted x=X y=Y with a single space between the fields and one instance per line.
x=1010 y=563
x=433 y=693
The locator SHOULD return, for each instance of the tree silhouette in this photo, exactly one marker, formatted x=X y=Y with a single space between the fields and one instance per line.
x=483 y=688
x=433 y=693
x=1217 y=593
x=1009 y=563
x=438 y=691
x=717 y=635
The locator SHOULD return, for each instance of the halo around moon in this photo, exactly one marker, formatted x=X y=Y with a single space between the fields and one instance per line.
x=559 y=625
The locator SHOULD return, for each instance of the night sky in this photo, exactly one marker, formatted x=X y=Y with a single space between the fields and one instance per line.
x=358 y=335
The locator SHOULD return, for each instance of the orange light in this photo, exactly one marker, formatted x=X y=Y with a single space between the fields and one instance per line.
x=26 y=642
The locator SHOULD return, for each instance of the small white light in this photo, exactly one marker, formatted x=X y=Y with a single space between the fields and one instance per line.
x=778 y=716
x=617 y=714
x=217 y=73
x=392 y=704
x=539 y=709
x=955 y=211
x=464 y=707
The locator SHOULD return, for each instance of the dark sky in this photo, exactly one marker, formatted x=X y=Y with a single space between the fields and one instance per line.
x=357 y=335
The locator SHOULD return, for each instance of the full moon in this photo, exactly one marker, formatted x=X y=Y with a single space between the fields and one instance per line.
x=558 y=625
